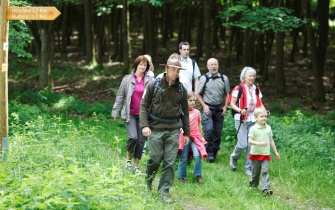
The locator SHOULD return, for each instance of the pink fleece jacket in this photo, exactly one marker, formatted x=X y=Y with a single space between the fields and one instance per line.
x=195 y=134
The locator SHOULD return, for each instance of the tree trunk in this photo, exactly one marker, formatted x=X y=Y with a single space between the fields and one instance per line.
x=43 y=44
x=125 y=37
x=149 y=25
x=90 y=47
x=200 y=31
x=318 y=93
x=279 y=70
x=208 y=41
x=249 y=46
x=323 y=20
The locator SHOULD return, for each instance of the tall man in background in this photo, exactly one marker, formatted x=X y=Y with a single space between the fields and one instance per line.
x=190 y=75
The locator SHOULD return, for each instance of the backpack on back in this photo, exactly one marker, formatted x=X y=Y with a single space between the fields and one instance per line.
x=213 y=78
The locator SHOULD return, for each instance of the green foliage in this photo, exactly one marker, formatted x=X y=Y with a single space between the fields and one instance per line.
x=260 y=19
x=60 y=163
x=45 y=100
x=277 y=109
x=19 y=39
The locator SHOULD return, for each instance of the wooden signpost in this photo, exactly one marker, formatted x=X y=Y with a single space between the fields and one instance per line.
x=14 y=13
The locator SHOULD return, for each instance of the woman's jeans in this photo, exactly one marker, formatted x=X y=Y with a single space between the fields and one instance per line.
x=183 y=161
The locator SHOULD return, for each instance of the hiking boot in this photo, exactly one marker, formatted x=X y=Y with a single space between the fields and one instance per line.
x=232 y=164
x=267 y=192
x=211 y=159
x=166 y=199
x=182 y=180
x=199 y=179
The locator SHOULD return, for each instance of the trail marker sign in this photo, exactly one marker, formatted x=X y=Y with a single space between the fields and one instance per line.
x=32 y=13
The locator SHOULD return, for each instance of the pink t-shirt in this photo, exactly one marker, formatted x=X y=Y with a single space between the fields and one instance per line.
x=136 y=97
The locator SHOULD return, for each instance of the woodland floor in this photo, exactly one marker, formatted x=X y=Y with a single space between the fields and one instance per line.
x=297 y=75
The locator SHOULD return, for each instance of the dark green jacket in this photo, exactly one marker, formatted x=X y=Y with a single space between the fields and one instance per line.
x=165 y=105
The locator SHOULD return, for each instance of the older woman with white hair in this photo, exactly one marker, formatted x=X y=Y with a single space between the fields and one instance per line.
x=245 y=97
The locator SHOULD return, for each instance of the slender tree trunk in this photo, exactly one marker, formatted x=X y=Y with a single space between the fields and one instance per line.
x=150 y=38
x=323 y=20
x=200 y=31
x=208 y=42
x=267 y=54
x=279 y=70
x=249 y=46
x=90 y=47
x=125 y=37
x=318 y=93
x=64 y=29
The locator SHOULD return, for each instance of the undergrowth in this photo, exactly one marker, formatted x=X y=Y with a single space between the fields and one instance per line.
x=56 y=160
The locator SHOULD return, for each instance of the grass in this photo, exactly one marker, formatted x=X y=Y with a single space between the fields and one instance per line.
x=58 y=161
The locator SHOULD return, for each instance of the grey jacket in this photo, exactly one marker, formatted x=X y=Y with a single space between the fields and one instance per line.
x=123 y=97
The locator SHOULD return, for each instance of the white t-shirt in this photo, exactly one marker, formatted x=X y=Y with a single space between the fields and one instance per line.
x=186 y=76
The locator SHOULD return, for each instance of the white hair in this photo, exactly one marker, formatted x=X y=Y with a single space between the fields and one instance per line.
x=244 y=72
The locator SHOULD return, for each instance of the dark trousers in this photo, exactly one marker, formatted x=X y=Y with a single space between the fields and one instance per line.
x=213 y=129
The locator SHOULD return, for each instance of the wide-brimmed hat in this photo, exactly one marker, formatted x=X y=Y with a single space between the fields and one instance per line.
x=173 y=61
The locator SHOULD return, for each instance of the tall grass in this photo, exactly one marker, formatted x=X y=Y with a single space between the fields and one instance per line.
x=56 y=161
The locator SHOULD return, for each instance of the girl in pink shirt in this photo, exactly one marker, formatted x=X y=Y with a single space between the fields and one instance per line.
x=196 y=143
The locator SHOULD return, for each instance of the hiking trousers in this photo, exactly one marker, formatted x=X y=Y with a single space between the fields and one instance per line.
x=213 y=129
x=163 y=147
x=136 y=140
x=242 y=143
x=260 y=168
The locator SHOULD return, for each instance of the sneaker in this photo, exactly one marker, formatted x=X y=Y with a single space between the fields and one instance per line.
x=232 y=164
x=128 y=164
x=267 y=192
x=137 y=170
x=248 y=172
x=211 y=159
x=199 y=179
x=167 y=200
x=182 y=180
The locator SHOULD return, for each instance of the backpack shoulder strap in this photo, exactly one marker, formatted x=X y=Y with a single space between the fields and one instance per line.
x=181 y=95
x=157 y=87
x=240 y=91
x=257 y=90
x=193 y=64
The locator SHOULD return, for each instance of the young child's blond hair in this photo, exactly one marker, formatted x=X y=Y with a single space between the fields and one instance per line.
x=258 y=111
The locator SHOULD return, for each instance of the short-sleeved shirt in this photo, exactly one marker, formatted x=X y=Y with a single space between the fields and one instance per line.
x=215 y=90
x=259 y=133
x=187 y=76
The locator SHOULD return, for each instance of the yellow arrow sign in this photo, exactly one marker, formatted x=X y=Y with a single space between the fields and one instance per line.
x=32 y=13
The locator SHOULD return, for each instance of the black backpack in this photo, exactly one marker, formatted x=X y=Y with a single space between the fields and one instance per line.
x=157 y=87
x=240 y=91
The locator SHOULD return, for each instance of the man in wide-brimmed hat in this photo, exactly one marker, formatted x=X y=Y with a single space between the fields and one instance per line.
x=163 y=112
